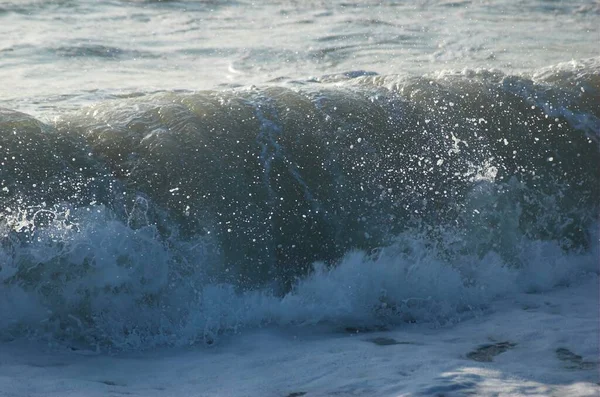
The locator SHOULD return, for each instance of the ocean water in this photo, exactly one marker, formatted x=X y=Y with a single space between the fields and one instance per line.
x=176 y=172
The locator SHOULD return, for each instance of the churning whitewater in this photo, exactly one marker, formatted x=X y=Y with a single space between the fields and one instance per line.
x=351 y=200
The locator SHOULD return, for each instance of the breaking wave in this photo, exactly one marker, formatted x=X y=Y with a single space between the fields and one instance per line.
x=355 y=200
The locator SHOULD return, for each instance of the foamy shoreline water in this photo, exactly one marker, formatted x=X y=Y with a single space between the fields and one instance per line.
x=527 y=345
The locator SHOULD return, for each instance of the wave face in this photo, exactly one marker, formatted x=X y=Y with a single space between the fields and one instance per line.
x=352 y=200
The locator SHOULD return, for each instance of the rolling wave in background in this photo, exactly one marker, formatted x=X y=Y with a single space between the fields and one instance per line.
x=353 y=200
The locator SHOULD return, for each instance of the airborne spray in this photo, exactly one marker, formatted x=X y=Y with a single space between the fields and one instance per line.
x=356 y=200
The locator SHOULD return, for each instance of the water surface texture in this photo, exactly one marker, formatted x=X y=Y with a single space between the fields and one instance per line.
x=59 y=52
x=173 y=171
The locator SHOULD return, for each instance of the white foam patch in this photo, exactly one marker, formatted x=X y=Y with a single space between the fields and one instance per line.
x=88 y=278
x=553 y=352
